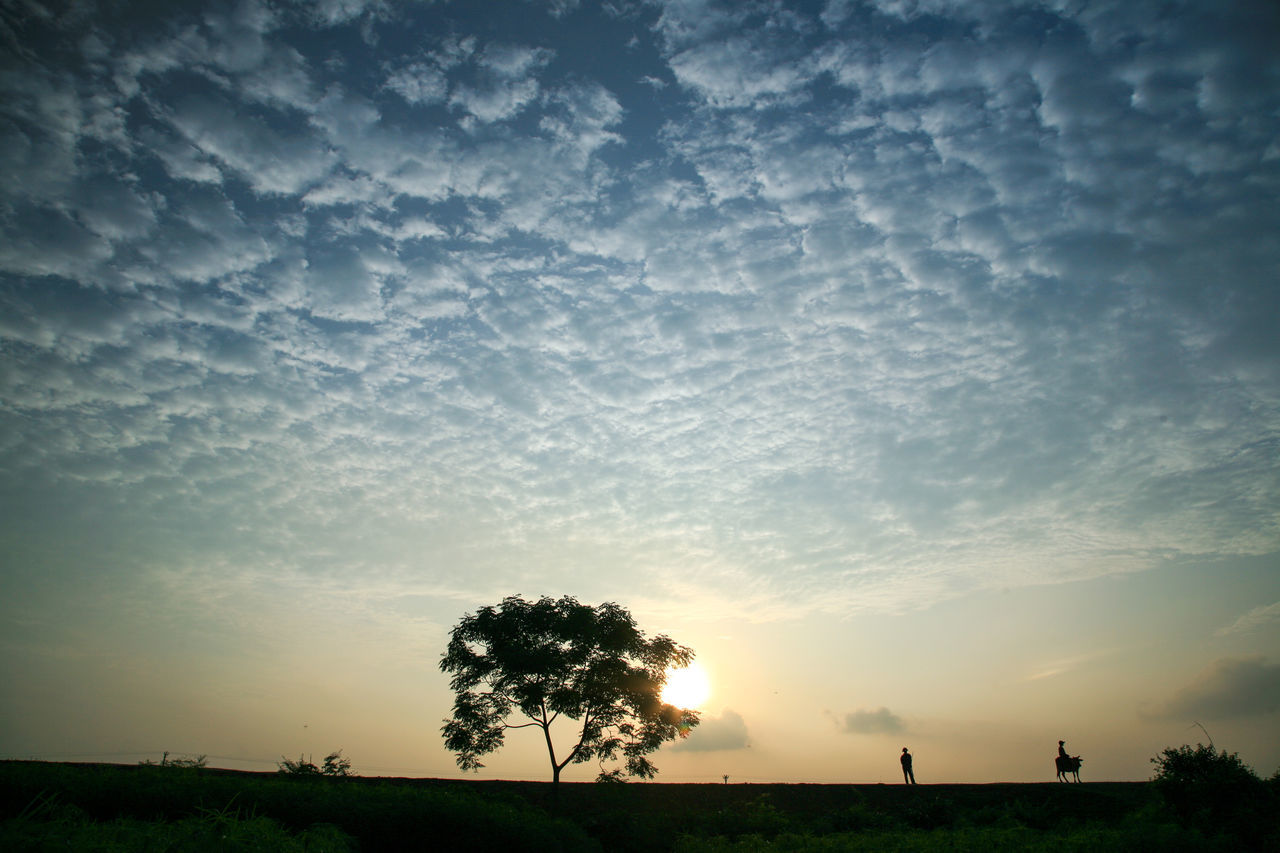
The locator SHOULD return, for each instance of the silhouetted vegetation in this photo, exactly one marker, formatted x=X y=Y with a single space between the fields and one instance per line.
x=185 y=761
x=110 y=807
x=1207 y=789
x=45 y=824
x=334 y=765
x=554 y=659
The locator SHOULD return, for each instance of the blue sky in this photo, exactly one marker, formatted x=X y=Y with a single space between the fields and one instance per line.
x=931 y=341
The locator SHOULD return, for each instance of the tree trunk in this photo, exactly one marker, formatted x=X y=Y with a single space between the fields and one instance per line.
x=555 y=767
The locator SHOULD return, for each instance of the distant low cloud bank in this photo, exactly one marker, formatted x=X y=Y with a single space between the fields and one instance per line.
x=1229 y=688
x=716 y=734
x=880 y=721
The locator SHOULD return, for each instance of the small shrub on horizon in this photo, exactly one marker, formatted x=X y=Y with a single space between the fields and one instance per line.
x=194 y=762
x=334 y=765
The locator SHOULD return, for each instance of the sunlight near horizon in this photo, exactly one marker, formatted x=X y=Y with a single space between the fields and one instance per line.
x=689 y=687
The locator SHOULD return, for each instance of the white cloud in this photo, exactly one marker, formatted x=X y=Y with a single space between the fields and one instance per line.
x=513 y=61
x=203 y=238
x=181 y=159
x=269 y=160
x=496 y=101
x=506 y=84
x=589 y=112
x=348 y=189
x=419 y=83
x=736 y=73
x=1256 y=618
x=335 y=12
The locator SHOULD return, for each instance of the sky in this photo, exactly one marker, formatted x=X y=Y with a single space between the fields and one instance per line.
x=913 y=361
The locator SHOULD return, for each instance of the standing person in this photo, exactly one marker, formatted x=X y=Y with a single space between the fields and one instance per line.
x=908 y=775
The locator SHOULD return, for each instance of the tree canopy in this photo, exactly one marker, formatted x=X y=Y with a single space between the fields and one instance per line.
x=559 y=659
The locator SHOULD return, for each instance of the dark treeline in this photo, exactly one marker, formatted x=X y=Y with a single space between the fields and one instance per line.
x=93 y=806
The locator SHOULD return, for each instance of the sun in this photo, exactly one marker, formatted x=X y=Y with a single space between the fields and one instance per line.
x=687 y=688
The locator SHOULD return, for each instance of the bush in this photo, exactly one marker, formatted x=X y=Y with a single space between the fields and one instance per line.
x=1213 y=790
x=334 y=765
x=195 y=762
x=1203 y=765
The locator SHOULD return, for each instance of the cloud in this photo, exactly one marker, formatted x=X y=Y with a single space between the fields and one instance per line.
x=1229 y=688
x=271 y=160
x=1251 y=621
x=880 y=721
x=587 y=113
x=419 y=83
x=716 y=734
x=1053 y=668
x=989 y=309
x=505 y=82
x=737 y=73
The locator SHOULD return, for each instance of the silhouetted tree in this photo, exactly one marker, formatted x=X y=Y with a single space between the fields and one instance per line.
x=554 y=659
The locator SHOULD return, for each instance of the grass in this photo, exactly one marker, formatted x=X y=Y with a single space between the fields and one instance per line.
x=48 y=806
x=47 y=825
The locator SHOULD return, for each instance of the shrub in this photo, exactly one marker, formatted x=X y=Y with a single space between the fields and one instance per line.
x=194 y=762
x=1203 y=765
x=1214 y=790
x=334 y=765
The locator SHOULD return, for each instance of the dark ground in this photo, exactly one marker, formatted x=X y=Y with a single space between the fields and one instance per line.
x=376 y=814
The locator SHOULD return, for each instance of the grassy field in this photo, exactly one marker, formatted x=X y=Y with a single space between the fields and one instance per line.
x=48 y=806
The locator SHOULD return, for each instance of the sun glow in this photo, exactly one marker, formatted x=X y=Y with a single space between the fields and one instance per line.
x=687 y=688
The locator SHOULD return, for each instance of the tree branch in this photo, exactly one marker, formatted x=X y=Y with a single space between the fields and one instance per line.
x=586 y=722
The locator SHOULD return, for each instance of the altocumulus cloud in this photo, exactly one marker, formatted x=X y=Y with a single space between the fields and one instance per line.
x=775 y=307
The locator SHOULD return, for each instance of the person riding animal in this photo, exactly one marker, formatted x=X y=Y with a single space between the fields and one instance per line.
x=1067 y=765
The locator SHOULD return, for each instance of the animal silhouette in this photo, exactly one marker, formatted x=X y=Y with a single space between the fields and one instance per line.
x=1068 y=765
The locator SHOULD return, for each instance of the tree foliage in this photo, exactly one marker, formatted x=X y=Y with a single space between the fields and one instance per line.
x=559 y=659
x=1201 y=765
x=1213 y=789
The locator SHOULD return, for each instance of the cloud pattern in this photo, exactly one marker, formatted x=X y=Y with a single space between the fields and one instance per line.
x=770 y=309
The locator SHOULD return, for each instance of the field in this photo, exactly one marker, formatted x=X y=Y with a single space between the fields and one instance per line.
x=48 y=806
